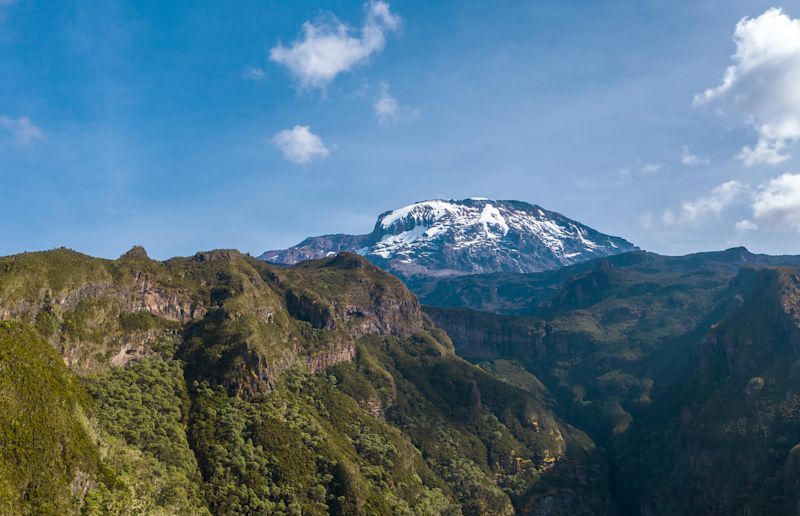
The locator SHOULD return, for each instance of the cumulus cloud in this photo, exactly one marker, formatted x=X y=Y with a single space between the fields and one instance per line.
x=713 y=204
x=777 y=203
x=388 y=111
x=690 y=160
x=761 y=86
x=255 y=73
x=765 y=151
x=299 y=145
x=330 y=47
x=21 y=129
x=745 y=225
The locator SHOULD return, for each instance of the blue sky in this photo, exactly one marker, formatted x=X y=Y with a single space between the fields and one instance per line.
x=184 y=126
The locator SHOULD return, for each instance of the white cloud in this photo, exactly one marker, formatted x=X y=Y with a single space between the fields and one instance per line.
x=299 y=145
x=329 y=48
x=386 y=108
x=651 y=169
x=23 y=131
x=711 y=205
x=765 y=151
x=255 y=73
x=761 y=86
x=777 y=203
x=745 y=225
x=641 y=168
x=689 y=159
x=388 y=111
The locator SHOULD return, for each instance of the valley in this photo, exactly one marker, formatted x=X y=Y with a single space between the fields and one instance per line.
x=217 y=383
x=664 y=362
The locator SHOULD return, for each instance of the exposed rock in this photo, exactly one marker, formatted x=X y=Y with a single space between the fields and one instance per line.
x=302 y=306
x=324 y=360
x=136 y=252
x=452 y=237
x=134 y=346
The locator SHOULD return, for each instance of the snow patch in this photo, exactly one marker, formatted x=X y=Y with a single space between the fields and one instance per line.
x=491 y=216
x=434 y=209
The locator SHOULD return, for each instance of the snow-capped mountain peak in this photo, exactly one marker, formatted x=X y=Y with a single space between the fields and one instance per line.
x=466 y=236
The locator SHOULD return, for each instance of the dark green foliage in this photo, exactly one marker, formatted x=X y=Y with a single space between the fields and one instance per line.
x=683 y=368
x=140 y=321
x=306 y=447
x=278 y=418
x=146 y=406
x=473 y=430
x=47 y=458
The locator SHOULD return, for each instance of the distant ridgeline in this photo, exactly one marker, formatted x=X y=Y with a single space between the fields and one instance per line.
x=685 y=369
x=219 y=383
x=443 y=238
x=222 y=384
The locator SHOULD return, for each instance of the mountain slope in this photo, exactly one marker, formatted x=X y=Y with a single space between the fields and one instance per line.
x=530 y=293
x=683 y=368
x=220 y=383
x=438 y=237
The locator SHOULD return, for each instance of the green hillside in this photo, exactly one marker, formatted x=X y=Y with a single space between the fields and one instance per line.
x=221 y=384
x=684 y=369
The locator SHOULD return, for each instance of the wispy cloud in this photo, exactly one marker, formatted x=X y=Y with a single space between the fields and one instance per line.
x=388 y=111
x=744 y=226
x=651 y=169
x=711 y=205
x=330 y=47
x=761 y=86
x=254 y=73
x=23 y=131
x=642 y=168
x=299 y=145
x=691 y=160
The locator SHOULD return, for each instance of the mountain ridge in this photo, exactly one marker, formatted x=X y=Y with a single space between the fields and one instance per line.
x=683 y=368
x=219 y=383
x=455 y=237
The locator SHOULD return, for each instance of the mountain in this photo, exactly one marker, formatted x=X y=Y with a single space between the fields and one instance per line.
x=221 y=384
x=683 y=368
x=531 y=293
x=456 y=237
x=632 y=384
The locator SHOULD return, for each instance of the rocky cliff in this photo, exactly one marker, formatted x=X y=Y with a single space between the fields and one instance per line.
x=220 y=383
x=683 y=367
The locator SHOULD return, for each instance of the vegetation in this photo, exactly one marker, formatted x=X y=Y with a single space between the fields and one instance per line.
x=46 y=454
x=682 y=368
x=143 y=409
x=220 y=384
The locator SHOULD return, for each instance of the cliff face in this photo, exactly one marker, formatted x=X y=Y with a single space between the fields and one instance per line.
x=485 y=336
x=202 y=372
x=103 y=313
x=686 y=369
x=745 y=391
